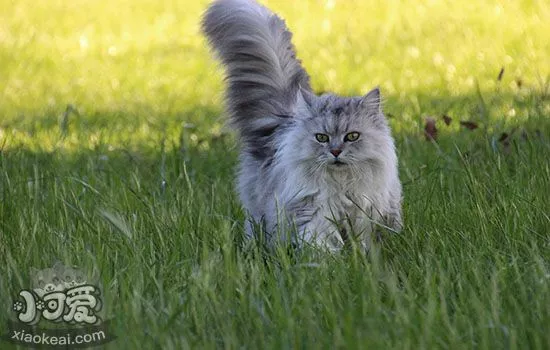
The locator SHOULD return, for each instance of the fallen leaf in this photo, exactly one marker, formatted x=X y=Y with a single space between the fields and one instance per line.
x=503 y=137
x=447 y=119
x=430 y=130
x=469 y=125
x=500 y=74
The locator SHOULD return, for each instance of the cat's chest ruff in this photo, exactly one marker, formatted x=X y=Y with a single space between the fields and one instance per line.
x=335 y=196
x=336 y=199
x=340 y=205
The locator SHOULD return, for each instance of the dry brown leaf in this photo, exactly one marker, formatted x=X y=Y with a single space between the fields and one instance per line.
x=503 y=137
x=500 y=74
x=430 y=130
x=469 y=125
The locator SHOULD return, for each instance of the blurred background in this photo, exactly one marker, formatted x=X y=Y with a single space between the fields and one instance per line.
x=134 y=67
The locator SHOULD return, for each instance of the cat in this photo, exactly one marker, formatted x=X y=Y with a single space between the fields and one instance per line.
x=73 y=277
x=47 y=280
x=318 y=170
x=56 y=279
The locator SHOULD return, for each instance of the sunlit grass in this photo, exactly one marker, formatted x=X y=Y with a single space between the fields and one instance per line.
x=113 y=109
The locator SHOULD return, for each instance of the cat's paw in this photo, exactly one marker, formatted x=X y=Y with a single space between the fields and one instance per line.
x=332 y=242
x=18 y=306
x=40 y=305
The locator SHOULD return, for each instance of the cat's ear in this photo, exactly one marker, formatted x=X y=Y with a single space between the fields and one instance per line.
x=304 y=102
x=59 y=267
x=305 y=97
x=34 y=272
x=371 y=102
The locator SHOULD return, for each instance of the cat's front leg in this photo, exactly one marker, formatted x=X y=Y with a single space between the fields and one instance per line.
x=358 y=229
x=320 y=232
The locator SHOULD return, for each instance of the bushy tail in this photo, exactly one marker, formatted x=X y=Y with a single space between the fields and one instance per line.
x=263 y=72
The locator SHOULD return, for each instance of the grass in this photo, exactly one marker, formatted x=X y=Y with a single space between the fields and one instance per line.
x=114 y=157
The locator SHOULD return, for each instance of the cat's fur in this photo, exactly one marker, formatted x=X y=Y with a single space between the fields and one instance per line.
x=73 y=277
x=47 y=280
x=56 y=279
x=288 y=181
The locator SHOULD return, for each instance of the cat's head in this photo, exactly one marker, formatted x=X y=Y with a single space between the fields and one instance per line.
x=47 y=280
x=340 y=133
x=73 y=277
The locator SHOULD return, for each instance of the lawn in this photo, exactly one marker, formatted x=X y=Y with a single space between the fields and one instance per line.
x=114 y=157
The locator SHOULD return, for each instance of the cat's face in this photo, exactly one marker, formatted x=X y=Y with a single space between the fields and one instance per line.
x=73 y=277
x=47 y=281
x=340 y=134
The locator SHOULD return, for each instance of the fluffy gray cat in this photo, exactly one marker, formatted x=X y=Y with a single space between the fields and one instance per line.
x=315 y=169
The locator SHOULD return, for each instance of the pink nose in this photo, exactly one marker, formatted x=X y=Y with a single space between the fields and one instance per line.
x=336 y=152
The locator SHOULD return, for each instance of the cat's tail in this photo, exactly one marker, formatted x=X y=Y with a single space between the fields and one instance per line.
x=263 y=73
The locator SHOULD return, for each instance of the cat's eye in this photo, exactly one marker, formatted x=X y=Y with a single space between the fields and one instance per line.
x=352 y=136
x=321 y=138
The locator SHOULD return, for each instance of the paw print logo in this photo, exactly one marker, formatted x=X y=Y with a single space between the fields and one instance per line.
x=40 y=305
x=18 y=306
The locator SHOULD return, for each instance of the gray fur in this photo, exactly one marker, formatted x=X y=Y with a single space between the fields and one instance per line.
x=288 y=181
x=263 y=73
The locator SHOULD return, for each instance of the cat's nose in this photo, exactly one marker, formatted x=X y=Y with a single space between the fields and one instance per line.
x=336 y=152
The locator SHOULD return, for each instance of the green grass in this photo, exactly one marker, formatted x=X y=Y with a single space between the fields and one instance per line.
x=113 y=156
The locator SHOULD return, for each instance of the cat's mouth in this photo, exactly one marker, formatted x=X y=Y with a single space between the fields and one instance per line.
x=338 y=163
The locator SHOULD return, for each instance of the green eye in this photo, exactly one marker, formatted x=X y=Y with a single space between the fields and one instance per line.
x=352 y=136
x=321 y=138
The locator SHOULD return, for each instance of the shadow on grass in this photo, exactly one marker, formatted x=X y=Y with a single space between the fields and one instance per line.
x=156 y=150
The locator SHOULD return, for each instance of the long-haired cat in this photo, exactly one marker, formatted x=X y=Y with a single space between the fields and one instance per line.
x=315 y=169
